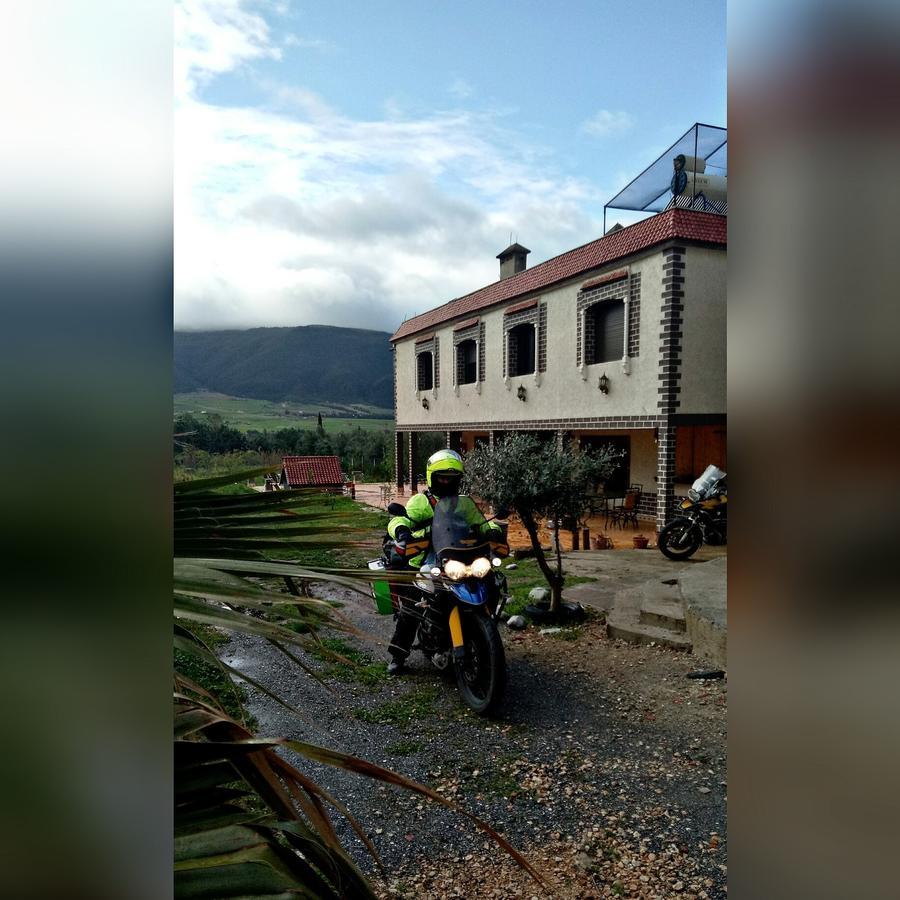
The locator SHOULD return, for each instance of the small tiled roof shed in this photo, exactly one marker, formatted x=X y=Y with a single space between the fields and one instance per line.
x=312 y=471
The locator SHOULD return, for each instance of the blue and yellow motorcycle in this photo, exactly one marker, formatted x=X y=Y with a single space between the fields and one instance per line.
x=457 y=596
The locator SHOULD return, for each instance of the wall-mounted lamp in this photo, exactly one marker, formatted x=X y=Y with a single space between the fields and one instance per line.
x=424 y=403
x=521 y=393
x=604 y=384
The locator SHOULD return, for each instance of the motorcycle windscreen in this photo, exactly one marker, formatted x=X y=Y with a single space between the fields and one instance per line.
x=704 y=484
x=452 y=537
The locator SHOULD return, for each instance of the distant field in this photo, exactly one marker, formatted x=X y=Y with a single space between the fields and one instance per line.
x=264 y=415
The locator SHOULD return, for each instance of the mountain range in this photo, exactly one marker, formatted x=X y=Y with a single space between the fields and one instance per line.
x=309 y=363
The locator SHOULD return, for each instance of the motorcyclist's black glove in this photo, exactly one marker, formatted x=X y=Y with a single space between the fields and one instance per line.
x=402 y=535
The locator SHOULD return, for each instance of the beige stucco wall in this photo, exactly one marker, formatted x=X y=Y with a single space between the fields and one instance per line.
x=643 y=455
x=560 y=391
x=703 y=372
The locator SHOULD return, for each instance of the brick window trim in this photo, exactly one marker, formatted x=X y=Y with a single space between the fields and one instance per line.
x=474 y=331
x=618 y=275
x=618 y=286
x=429 y=346
x=533 y=313
x=469 y=323
x=519 y=307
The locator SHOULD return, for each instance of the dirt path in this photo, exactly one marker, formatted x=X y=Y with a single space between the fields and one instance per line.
x=607 y=766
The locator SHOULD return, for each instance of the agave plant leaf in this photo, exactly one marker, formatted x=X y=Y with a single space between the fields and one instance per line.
x=205 y=484
x=248 y=822
x=198 y=778
x=193 y=720
x=262 y=869
x=240 y=530
x=188 y=647
x=194 y=609
x=349 y=578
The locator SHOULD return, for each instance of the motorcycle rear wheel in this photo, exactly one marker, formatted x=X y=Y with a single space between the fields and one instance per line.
x=481 y=676
x=680 y=539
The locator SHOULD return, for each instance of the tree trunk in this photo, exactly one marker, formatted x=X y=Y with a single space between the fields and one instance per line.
x=553 y=580
x=557 y=585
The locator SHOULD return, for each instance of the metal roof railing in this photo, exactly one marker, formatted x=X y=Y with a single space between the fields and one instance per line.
x=705 y=148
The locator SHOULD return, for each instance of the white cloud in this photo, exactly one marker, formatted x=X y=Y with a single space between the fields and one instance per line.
x=216 y=36
x=297 y=214
x=460 y=88
x=605 y=123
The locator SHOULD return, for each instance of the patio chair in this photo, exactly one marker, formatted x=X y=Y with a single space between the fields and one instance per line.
x=627 y=512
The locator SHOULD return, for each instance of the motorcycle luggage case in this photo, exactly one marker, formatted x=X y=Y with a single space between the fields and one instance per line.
x=381 y=590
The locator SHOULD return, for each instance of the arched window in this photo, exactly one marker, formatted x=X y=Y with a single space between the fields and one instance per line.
x=425 y=371
x=520 y=350
x=604 y=332
x=467 y=362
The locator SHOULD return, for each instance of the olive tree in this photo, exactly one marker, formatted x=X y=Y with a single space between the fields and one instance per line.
x=539 y=480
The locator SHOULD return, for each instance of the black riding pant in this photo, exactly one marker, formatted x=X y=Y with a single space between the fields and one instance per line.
x=406 y=621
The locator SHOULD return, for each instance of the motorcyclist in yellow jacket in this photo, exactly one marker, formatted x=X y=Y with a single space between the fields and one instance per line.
x=443 y=474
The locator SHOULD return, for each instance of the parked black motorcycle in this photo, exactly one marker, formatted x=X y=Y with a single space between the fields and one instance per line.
x=460 y=594
x=703 y=516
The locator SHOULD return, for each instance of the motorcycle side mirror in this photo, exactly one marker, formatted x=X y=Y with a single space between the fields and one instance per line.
x=396 y=509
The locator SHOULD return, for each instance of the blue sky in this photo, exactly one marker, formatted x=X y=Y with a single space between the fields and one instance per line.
x=355 y=163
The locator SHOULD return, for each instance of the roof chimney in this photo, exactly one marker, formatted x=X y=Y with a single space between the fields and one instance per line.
x=512 y=260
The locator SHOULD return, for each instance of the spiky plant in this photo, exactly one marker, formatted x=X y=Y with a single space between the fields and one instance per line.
x=247 y=822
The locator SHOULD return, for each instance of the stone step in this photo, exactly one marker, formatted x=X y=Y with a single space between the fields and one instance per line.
x=663 y=613
x=637 y=633
x=589 y=594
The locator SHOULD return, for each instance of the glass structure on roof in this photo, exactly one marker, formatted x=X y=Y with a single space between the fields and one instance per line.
x=702 y=186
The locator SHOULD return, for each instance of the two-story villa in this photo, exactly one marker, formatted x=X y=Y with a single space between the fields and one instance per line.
x=621 y=340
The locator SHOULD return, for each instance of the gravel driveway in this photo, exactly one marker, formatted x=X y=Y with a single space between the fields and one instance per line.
x=606 y=767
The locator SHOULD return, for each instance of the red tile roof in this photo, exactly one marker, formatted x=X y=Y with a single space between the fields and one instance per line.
x=312 y=470
x=673 y=224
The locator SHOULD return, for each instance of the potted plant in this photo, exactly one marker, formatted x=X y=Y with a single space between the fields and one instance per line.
x=601 y=542
x=640 y=541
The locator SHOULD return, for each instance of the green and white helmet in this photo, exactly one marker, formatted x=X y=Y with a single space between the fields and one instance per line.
x=447 y=462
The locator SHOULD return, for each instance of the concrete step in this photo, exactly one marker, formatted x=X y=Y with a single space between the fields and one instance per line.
x=641 y=614
x=663 y=613
x=597 y=596
x=625 y=629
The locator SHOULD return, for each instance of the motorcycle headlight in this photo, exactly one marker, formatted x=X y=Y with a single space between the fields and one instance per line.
x=481 y=567
x=455 y=570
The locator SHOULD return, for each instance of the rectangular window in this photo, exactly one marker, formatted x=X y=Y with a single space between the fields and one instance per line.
x=467 y=362
x=424 y=371
x=604 y=325
x=521 y=350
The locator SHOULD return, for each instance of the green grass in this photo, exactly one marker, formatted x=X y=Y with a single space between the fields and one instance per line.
x=404 y=748
x=567 y=634
x=232 y=696
x=413 y=707
x=523 y=578
x=361 y=670
x=247 y=414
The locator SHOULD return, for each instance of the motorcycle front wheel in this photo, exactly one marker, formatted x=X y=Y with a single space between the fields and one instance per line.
x=481 y=676
x=680 y=539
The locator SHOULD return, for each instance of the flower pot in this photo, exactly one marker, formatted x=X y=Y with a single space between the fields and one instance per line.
x=601 y=542
x=640 y=542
